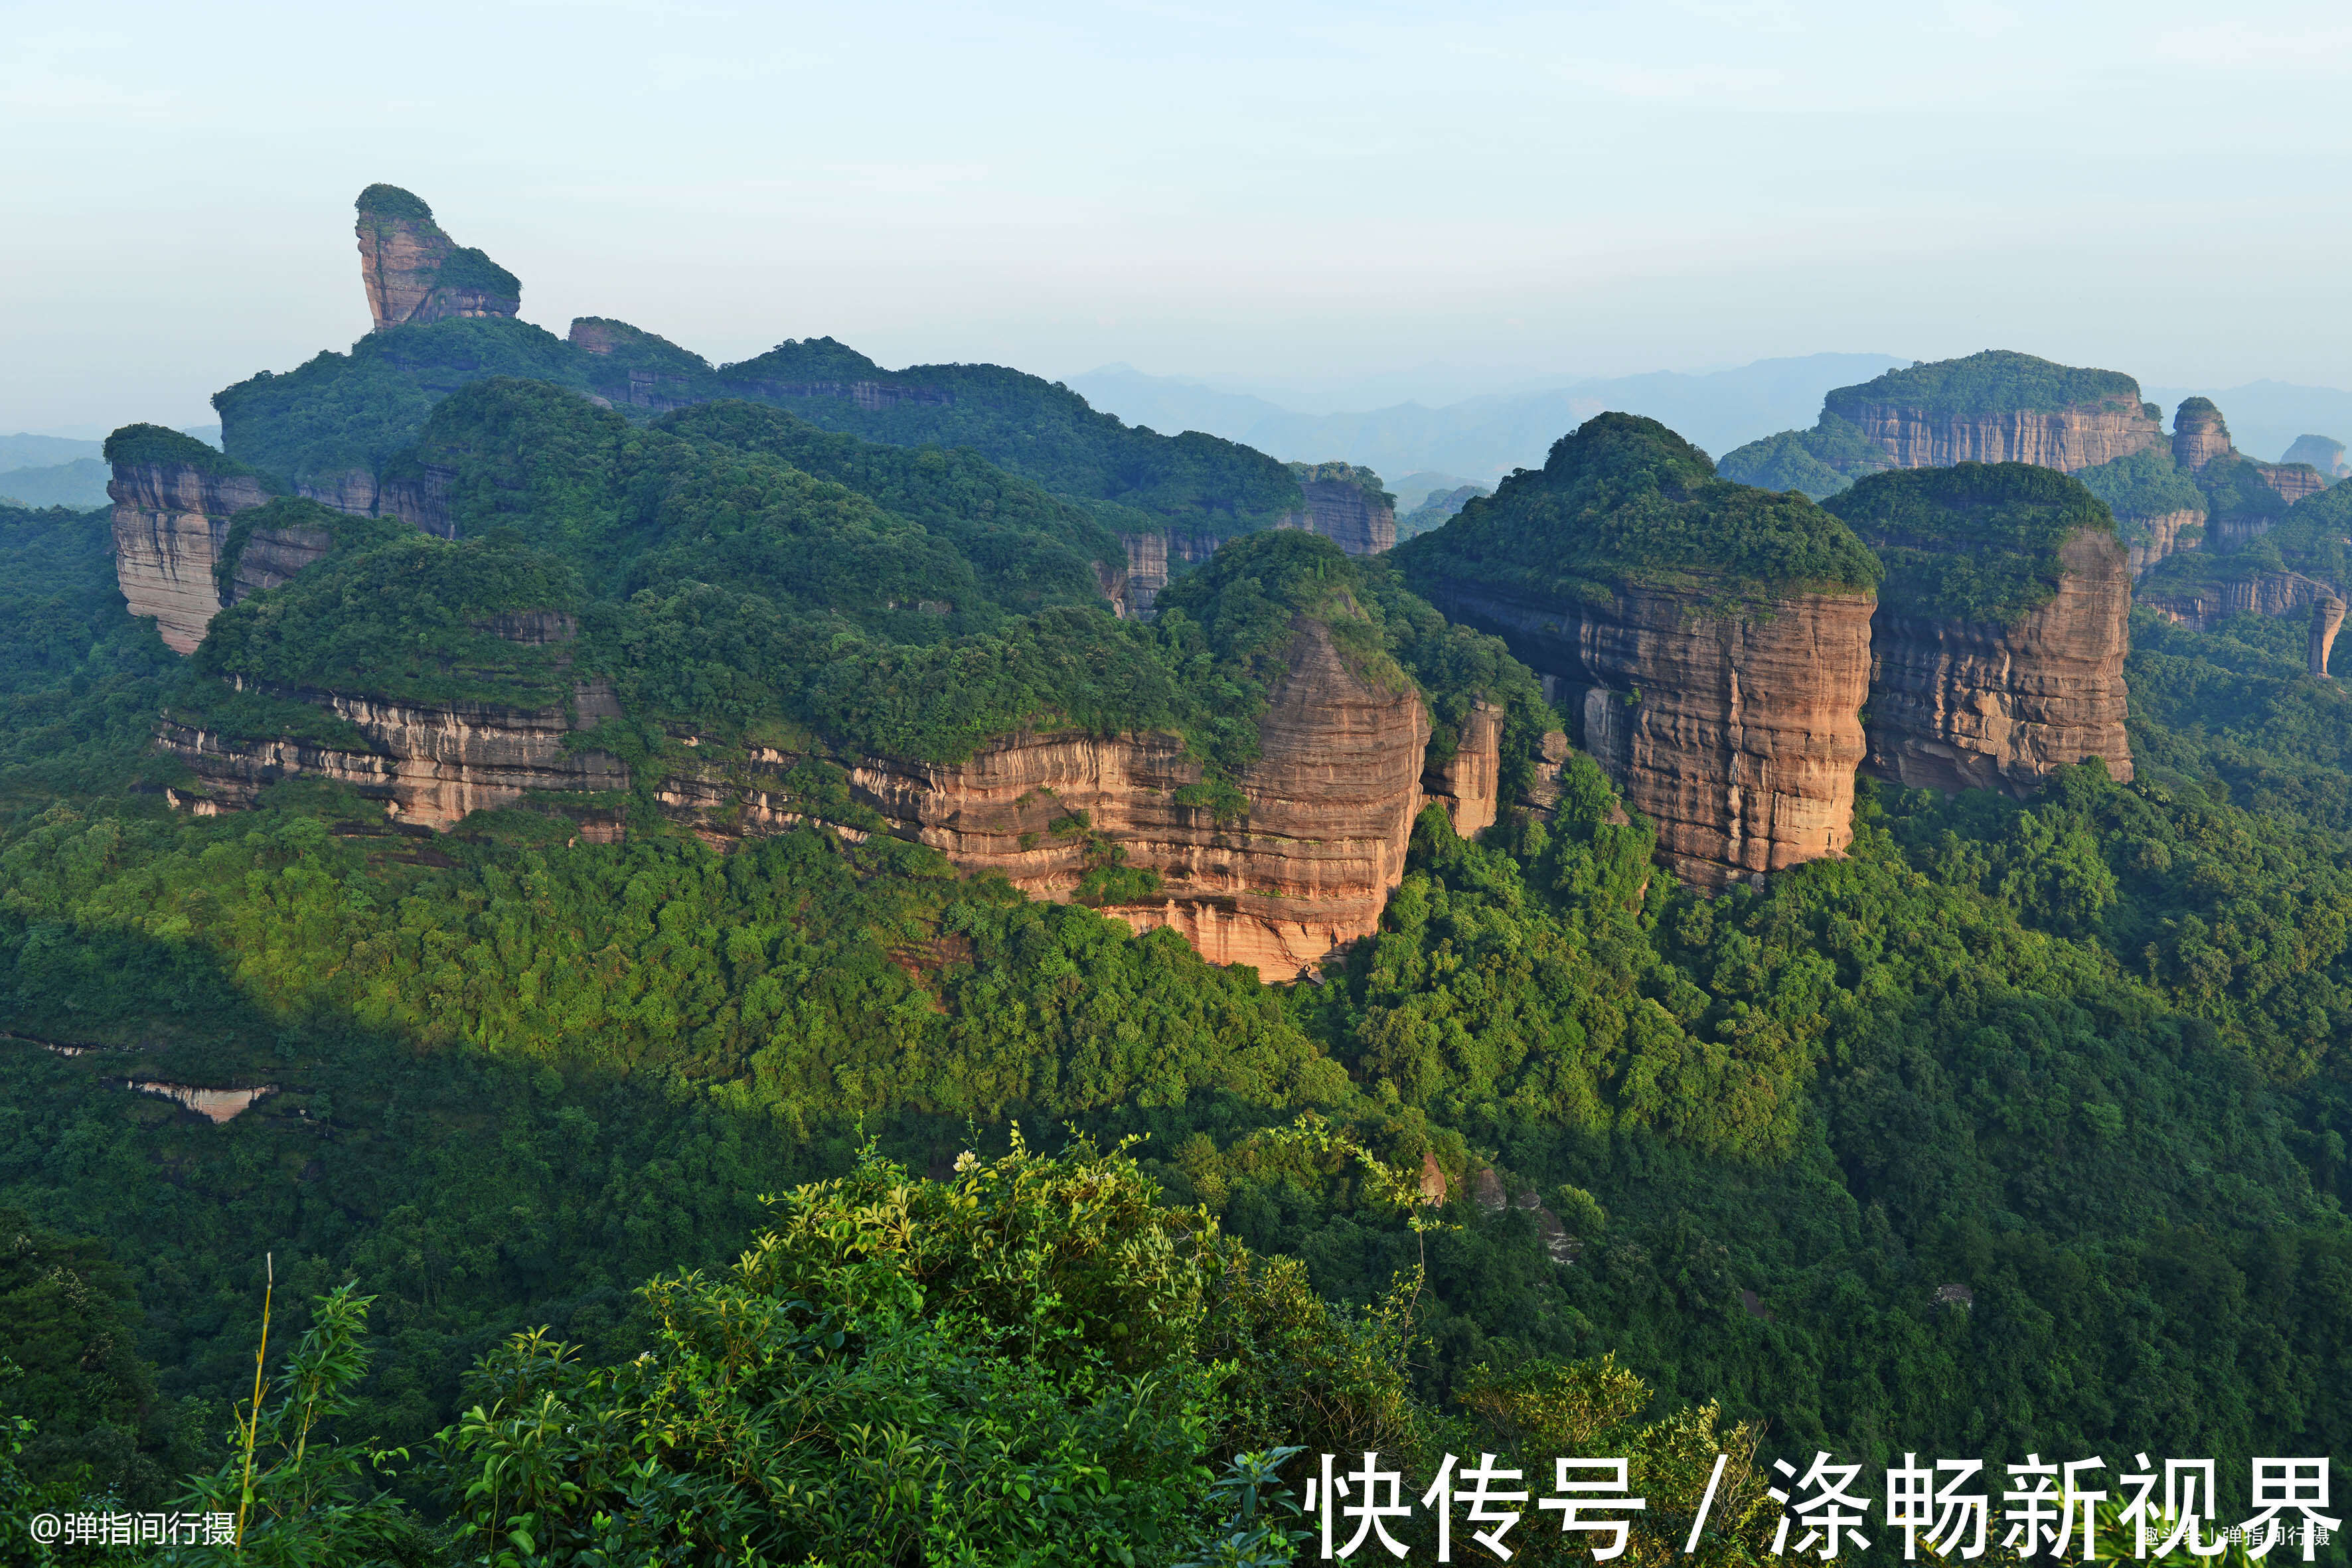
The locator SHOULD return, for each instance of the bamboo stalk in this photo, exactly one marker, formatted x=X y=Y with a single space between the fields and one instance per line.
x=253 y=1423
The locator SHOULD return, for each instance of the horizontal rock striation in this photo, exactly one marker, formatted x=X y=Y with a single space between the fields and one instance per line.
x=1738 y=734
x=1961 y=704
x=170 y=523
x=2069 y=440
x=427 y=764
x=1468 y=783
x=1306 y=867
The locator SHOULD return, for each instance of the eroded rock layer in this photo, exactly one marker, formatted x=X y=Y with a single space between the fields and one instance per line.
x=171 y=522
x=1957 y=704
x=427 y=764
x=2069 y=440
x=1737 y=734
x=1358 y=521
x=1306 y=867
x=2157 y=536
x=413 y=273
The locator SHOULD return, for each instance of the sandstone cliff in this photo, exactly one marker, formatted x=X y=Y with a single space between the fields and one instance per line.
x=2199 y=434
x=1346 y=505
x=1468 y=783
x=640 y=370
x=413 y=273
x=1963 y=704
x=1997 y=650
x=1737 y=734
x=1308 y=864
x=174 y=499
x=2000 y=407
x=2201 y=605
x=1152 y=557
x=2158 y=536
x=1709 y=643
x=427 y=764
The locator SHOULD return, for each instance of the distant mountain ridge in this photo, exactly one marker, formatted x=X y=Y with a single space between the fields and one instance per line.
x=1486 y=438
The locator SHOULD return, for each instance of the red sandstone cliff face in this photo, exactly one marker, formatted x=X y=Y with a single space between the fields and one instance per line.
x=169 y=523
x=2199 y=434
x=2072 y=439
x=1151 y=557
x=405 y=266
x=1306 y=868
x=1469 y=785
x=427 y=764
x=1736 y=734
x=1965 y=705
x=2293 y=480
x=2277 y=595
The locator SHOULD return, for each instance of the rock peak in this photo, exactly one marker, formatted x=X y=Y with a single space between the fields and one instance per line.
x=414 y=273
x=2200 y=434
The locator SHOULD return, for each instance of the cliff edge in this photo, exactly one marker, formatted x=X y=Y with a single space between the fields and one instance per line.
x=1997 y=650
x=1709 y=643
x=414 y=273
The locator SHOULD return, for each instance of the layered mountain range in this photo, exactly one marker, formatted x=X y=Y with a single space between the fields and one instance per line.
x=469 y=567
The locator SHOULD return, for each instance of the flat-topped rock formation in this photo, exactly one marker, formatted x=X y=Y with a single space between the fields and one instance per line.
x=2000 y=407
x=173 y=499
x=1304 y=866
x=414 y=273
x=1346 y=505
x=1711 y=642
x=1997 y=650
x=428 y=764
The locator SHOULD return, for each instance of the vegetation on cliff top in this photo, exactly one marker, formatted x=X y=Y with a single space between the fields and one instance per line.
x=339 y=412
x=342 y=412
x=1997 y=381
x=138 y=446
x=734 y=568
x=391 y=201
x=2082 y=1054
x=471 y=268
x=2141 y=486
x=1625 y=501
x=1976 y=542
x=1034 y=427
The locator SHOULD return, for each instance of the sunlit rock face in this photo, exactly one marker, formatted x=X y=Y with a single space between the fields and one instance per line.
x=1962 y=704
x=413 y=273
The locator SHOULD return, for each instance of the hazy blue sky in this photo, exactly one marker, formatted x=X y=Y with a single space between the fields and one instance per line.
x=1302 y=192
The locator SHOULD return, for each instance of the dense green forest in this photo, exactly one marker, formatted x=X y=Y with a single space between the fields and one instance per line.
x=1996 y=381
x=813 y=1203
x=1624 y=499
x=1834 y=453
x=1975 y=542
x=2080 y=1054
x=341 y=413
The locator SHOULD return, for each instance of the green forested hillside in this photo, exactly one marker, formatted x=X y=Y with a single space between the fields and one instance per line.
x=343 y=412
x=1624 y=499
x=2082 y=1056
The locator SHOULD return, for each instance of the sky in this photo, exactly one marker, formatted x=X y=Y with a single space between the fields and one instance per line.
x=1431 y=198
